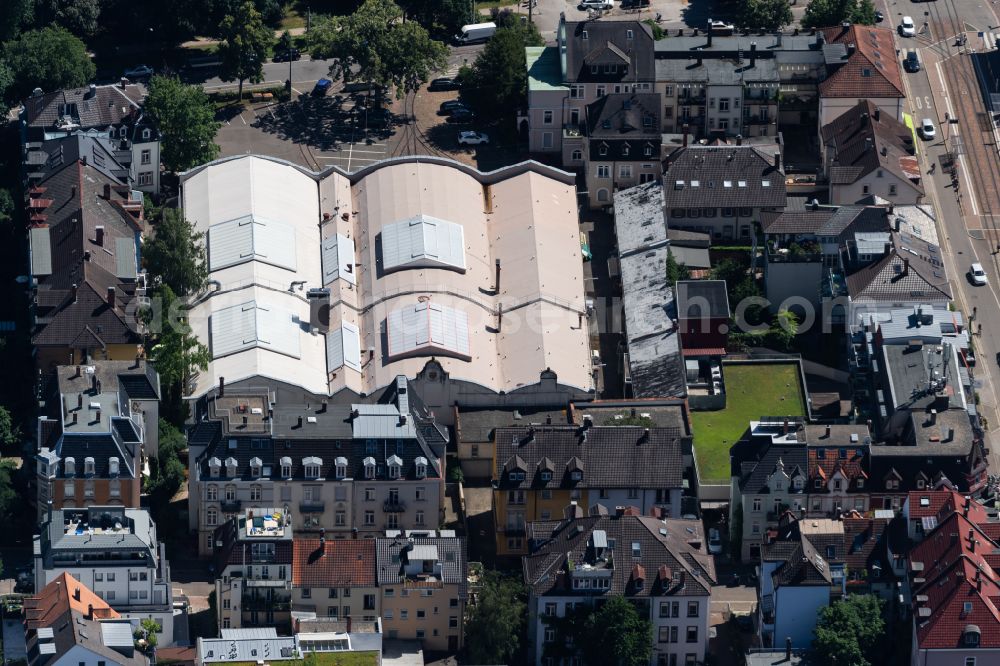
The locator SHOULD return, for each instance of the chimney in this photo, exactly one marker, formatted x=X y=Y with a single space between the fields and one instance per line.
x=496 y=281
x=753 y=53
x=777 y=160
x=709 y=33
x=933 y=416
x=788 y=648
x=685 y=128
x=699 y=57
x=588 y=421
x=828 y=430
x=876 y=113
x=98 y=417
x=74 y=290
x=123 y=82
x=222 y=387
x=845 y=27
x=299 y=425
x=820 y=38
x=906 y=266
x=92 y=91
x=76 y=593
x=107 y=191
x=850 y=49
x=739 y=139
x=784 y=428
x=99 y=235
x=79 y=401
x=111 y=297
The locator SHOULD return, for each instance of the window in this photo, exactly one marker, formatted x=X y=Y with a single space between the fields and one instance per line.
x=369 y=518
x=970 y=661
x=668 y=112
x=673 y=634
x=692 y=609
x=576 y=155
x=601 y=91
x=306 y=593
x=547 y=117
x=865 y=189
x=692 y=634
x=603 y=171
x=892 y=190
x=88 y=466
x=211 y=517
x=818 y=483
x=836 y=484
x=145 y=156
x=255 y=493
x=603 y=150
x=755 y=528
x=576 y=92
x=145 y=177
x=633 y=493
x=546 y=139
x=312 y=471
x=369 y=494
x=389 y=592
x=212 y=493
x=625 y=171
x=69 y=490
x=340 y=519
x=146 y=134
x=648 y=151
x=756 y=505
x=724 y=104
x=230 y=493
x=420 y=493
x=404 y=614
x=664 y=634
x=419 y=519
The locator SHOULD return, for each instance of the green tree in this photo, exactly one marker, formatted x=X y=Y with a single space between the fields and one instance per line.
x=676 y=271
x=10 y=432
x=285 y=43
x=497 y=83
x=186 y=120
x=6 y=205
x=441 y=17
x=496 y=622
x=176 y=353
x=176 y=254
x=146 y=632
x=848 y=631
x=78 y=16
x=11 y=503
x=375 y=45
x=50 y=58
x=15 y=16
x=825 y=13
x=770 y=15
x=784 y=328
x=245 y=45
x=617 y=635
x=626 y=419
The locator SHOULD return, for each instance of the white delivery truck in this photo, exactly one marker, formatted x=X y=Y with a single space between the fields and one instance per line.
x=476 y=32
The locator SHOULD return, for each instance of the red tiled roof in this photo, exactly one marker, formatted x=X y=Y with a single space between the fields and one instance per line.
x=340 y=563
x=957 y=586
x=851 y=466
x=875 y=53
x=942 y=503
x=59 y=597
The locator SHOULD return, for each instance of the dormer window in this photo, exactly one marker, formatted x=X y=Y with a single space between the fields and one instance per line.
x=113 y=465
x=88 y=465
x=595 y=69
x=648 y=151
x=576 y=476
x=797 y=483
x=146 y=134
x=255 y=467
x=861 y=483
x=213 y=466
x=70 y=465
x=369 y=468
x=819 y=483
x=286 y=467
x=625 y=150
x=629 y=34
x=312 y=466
x=584 y=35
x=394 y=465
x=921 y=484
x=341 y=464
x=546 y=476
x=970 y=636
x=231 y=466
x=421 y=467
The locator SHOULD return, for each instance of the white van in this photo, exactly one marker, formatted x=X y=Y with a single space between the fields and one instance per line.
x=476 y=32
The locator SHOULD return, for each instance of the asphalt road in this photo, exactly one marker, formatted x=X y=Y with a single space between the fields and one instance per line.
x=945 y=85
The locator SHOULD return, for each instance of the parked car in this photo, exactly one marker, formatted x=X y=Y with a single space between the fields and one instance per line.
x=285 y=56
x=596 y=4
x=139 y=72
x=879 y=17
x=723 y=29
x=475 y=33
x=714 y=541
x=977 y=274
x=322 y=87
x=444 y=84
x=912 y=61
x=451 y=106
x=470 y=138
x=461 y=116
x=907 y=28
x=927 y=129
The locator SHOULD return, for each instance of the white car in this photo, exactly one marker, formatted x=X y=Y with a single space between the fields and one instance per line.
x=472 y=138
x=907 y=28
x=596 y=4
x=139 y=72
x=927 y=129
x=714 y=541
x=977 y=274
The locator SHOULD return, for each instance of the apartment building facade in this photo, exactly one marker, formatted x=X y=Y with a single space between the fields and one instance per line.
x=114 y=551
x=659 y=565
x=424 y=589
x=540 y=470
x=343 y=468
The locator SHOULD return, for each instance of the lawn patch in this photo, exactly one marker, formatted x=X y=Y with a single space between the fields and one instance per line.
x=753 y=390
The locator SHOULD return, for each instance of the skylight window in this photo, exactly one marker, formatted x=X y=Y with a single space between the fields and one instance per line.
x=338 y=259
x=742 y=183
x=428 y=328
x=423 y=242
x=250 y=238
x=727 y=183
x=249 y=325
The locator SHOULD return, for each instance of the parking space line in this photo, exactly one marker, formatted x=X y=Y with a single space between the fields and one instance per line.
x=242 y=118
x=370 y=152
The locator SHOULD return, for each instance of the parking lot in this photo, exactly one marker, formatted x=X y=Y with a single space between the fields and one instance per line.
x=348 y=131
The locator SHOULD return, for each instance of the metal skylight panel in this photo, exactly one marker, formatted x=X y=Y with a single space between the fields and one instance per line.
x=338 y=259
x=423 y=242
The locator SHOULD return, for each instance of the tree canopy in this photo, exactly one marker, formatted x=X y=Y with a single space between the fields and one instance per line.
x=495 y=624
x=49 y=58
x=176 y=254
x=615 y=634
x=176 y=352
x=848 y=631
x=497 y=83
x=444 y=18
x=676 y=271
x=824 y=13
x=78 y=16
x=10 y=433
x=186 y=120
x=375 y=45
x=245 y=44
x=770 y=15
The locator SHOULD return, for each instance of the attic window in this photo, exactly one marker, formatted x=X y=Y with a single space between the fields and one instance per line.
x=629 y=34
x=765 y=183
x=70 y=466
x=727 y=183
x=546 y=476
x=742 y=183
x=925 y=501
x=585 y=36
x=866 y=72
x=606 y=123
x=576 y=476
x=819 y=483
x=821 y=454
x=636 y=549
x=603 y=150
x=921 y=484
x=843 y=454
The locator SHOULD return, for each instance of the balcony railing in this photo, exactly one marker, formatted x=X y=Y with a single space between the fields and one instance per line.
x=394 y=506
x=312 y=506
x=251 y=603
x=230 y=506
x=688 y=100
x=573 y=130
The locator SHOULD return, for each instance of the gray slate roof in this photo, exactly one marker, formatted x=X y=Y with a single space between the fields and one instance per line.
x=722 y=176
x=106 y=105
x=610 y=456
x=606 y=42
x=390 y=554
